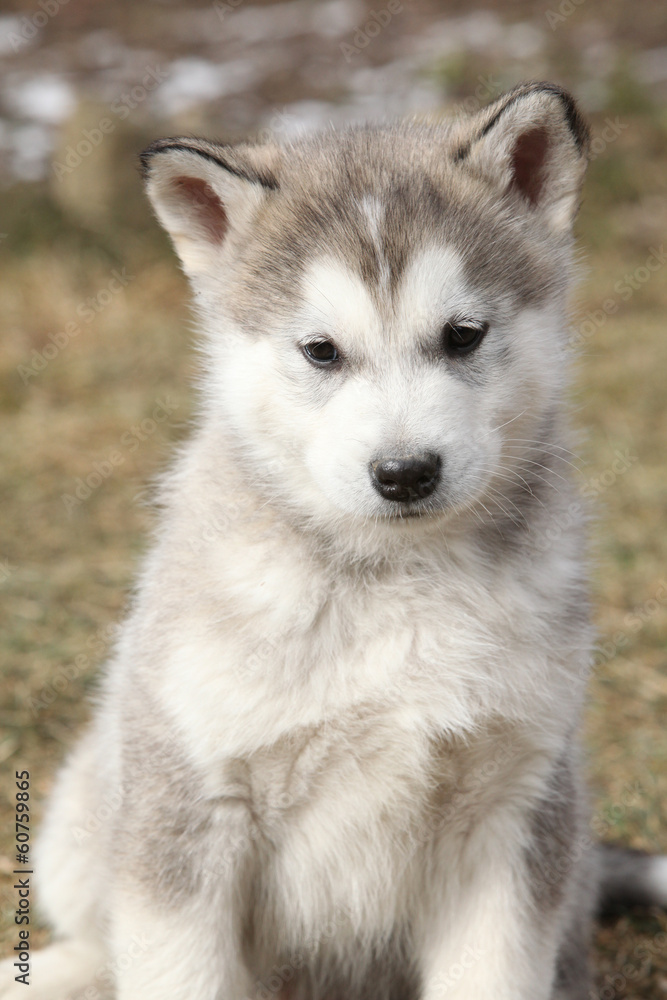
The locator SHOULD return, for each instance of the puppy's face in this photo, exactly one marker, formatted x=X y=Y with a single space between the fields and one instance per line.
x=384 y=308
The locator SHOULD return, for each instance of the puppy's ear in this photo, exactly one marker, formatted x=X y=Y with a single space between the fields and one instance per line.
x=531 y=143
x=204 y=194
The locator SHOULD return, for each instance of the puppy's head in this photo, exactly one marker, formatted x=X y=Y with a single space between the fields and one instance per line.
x=384 y=307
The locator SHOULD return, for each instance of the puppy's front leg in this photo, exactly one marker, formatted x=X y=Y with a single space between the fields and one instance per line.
x=488 y=947
x=503 y=927
x=178 y=952
x=180 y=893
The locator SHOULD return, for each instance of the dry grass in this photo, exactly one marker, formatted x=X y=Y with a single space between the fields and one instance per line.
x=67 y=574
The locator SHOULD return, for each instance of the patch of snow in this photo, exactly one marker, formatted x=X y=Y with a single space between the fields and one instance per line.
x=192 y=81
x=44 y=97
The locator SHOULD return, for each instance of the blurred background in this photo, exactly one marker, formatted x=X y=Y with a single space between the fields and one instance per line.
x=97 y=347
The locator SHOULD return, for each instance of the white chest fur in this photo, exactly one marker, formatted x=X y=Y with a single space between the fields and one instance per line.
x=438 y=645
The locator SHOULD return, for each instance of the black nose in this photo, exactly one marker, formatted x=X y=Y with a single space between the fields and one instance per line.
x=406 y=479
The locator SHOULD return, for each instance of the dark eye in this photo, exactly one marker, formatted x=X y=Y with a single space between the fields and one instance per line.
x=461 y=338
x=322 y=352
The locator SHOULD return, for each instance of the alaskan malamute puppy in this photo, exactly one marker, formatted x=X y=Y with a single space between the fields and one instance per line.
x=337 y=744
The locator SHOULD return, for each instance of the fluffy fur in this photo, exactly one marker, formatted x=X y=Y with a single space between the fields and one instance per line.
x=337 y=746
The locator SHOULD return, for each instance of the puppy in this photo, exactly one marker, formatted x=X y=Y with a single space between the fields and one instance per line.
x=338 y=740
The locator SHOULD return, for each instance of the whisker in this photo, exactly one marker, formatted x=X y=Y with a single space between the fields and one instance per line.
x=542 y=479
x=511 y=420
x=522 y=456
x=513 y=479
x=495 y=494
